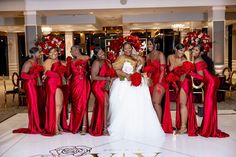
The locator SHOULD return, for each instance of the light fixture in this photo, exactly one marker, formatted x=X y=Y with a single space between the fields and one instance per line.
x=178 y=27
x=46 y=30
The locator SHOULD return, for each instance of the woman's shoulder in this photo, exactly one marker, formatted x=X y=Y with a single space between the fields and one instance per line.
x=170 y=58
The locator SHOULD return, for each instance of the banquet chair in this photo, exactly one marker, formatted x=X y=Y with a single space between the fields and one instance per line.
x=15 y=89
x=198 y=89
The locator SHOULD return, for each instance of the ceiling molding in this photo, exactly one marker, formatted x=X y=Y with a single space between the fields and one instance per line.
x=167 y=17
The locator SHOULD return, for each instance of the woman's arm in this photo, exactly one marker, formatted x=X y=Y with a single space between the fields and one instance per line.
x=162 y=66
x=95 y=72
x=25 y=70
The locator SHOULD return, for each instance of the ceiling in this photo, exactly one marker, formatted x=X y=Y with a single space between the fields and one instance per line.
x=113 y=17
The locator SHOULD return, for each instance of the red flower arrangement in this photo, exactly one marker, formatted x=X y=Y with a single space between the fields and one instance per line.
x=117 y=44
x=187 y=67
x=171 y=77
x=195 y=38
x=136 y=79
x=49 y=41
x=179 y=71
x=112 y=56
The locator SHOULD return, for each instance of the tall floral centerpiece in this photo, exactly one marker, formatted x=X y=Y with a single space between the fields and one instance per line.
x=51 y=40
x=116 y=46
x=195 y=38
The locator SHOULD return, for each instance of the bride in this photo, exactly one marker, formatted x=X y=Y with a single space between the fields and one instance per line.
x=131 y=113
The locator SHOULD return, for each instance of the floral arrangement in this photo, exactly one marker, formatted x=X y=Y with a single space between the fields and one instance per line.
x=112 y=56
x=172 y=77
x=180 y=72
x=136 y=79
x=117 y=44
x=188 y=67
x=194 y=38
x=49 y=41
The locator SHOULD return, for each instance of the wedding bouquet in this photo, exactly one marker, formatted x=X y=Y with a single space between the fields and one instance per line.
x=136 y=79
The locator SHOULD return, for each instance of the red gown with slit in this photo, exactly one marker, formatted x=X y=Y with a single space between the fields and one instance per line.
x=209 y=126
x=30 y=86
x=99 y=91
x=186 y=85
x=154 y=70
x=52 y=82
x=80 y=92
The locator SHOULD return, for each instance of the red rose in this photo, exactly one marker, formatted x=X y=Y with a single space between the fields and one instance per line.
x=171 y=77
x=178 y=71
x=187 y=67
x=136 y=79
x=111 y=56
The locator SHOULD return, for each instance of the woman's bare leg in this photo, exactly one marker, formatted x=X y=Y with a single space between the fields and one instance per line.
x=183 y=112
x=105 y=131
x=85 y=122
x=157 y=96
x=59 y=103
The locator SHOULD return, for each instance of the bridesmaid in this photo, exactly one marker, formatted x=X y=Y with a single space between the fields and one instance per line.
x=30 y=74
x=205 y=68
x=54 y=72
x=156 y=70
x=185 y=112
x=80 y=91
x=66 y=93
x=101 y=79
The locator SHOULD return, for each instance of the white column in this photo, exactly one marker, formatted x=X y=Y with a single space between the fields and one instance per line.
x=32 y=28
x=13 y=55
x=216 y=29
x=68 y=42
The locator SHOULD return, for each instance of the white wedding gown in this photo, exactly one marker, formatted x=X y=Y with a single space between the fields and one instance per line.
x=131 y=114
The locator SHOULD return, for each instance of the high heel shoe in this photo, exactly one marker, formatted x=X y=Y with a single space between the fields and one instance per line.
x=182 y=130
x=84 y=130
x=105 y=132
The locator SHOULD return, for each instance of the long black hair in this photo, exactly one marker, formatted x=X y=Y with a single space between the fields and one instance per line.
x=207 y=59
x=95 y=52
x=32 y=51
x=180 y=46
x=153 y=41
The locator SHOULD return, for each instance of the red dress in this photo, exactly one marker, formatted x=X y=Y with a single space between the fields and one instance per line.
x=30 y=86
x=186 y=85
x=209 y=126
x=154 y=70
x=99 y=91
x=80 y=91
x=53 y=81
